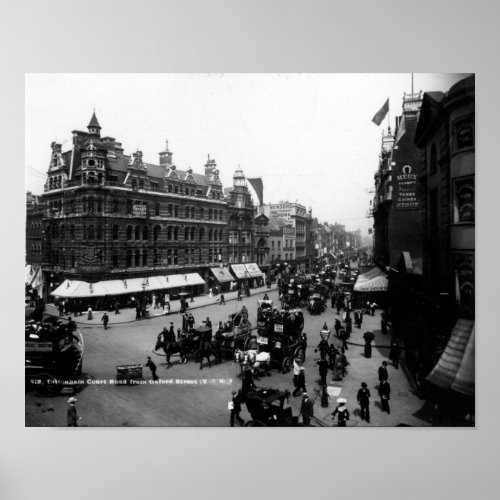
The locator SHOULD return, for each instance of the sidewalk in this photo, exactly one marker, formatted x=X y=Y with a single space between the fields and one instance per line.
x=127 y=315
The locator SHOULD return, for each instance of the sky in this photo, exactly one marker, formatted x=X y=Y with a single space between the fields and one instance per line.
x=309 y=136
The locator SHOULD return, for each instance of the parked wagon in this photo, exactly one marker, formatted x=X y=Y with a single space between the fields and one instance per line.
x=128 y=373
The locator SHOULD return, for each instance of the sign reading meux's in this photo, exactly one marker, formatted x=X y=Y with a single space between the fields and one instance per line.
x=406 y=190
x=139 y=210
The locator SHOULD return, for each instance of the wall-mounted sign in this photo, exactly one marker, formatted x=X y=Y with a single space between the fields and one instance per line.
x=406 y=189
x=139 y=210
x=463 y=131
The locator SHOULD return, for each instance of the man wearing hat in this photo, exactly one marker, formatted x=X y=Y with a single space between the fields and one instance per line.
x=384 y=391
x=253 y=345
x=72 y=414
x=382 y=372
x=152 y=366
x=364 y=401
x=342 y=412
x=236 y=408
x=306 y=409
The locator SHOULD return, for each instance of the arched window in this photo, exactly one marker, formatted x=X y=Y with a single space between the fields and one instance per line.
x=129 y=258
x=186 y=234
x=176 y=256
x=193 y=233
x=169 y=257
x=169 y=233
x=129 y=232
x=137 y=258
x=137 y=232
x=176 y=189
x=99 y=232
x=176 y=233
x=144 y=257
x=156 y=233
x=155 y=256
x=145 y=233
x=90 y=232
x=210 y=235
x=210 y=214
x=115 y=232
x=202 y=213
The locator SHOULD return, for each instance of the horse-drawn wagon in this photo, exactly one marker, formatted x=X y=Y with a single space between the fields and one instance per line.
x=53 y=358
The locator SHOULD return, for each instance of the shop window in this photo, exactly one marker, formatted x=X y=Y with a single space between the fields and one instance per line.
x=144 y=258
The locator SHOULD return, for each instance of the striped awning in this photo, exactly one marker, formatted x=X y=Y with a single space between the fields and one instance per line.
x=240 y=271
x=374 y=280
x=253 y=270
x=456 y=367
x=78 y=289
x=221 y=274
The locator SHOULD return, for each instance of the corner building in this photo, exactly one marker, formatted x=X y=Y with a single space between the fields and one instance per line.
x=111 y=216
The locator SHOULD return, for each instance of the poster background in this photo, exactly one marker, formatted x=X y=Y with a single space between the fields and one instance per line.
x=242 y=36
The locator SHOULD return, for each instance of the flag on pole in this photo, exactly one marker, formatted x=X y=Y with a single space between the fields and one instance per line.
x=381 y=113
x=401 y=130
x=258 y=185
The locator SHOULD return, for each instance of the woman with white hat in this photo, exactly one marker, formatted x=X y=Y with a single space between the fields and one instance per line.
x=342 y=412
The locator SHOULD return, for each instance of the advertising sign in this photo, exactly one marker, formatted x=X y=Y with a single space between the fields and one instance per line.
x=406 y=186
x=139 y=210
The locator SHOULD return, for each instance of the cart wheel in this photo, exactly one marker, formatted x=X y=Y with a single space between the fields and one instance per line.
x=254 y=423
x=46 y=387
x=287 y=364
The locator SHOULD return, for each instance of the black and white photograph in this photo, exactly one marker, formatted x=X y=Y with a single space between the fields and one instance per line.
x=250 y=250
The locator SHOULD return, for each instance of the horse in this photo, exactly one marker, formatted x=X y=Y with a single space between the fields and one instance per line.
x=207 y=349
x=254 y=359
x=170 y=348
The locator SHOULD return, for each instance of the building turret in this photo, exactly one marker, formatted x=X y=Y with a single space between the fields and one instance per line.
x=239 y=179
x=210 y=166
x=93 y=127
x=166 y=157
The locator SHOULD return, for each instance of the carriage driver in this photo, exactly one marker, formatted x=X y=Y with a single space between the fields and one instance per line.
x=253 y=344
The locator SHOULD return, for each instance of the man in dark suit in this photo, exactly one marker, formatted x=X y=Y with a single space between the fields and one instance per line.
x=151 y=365
x=384 y=391
x=72 y=414
x=364 y=401
x=306 y=409
x=382 y=372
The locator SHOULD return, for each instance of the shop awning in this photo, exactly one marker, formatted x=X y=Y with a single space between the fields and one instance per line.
x=375 y=280
x=253 y=270
x=78 y=289
x=222 y=274
x=240 y=271
x=456 y=366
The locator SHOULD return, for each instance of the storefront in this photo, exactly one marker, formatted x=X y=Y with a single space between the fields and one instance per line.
x=220 y=277
x=102 y=295
x=256 y=274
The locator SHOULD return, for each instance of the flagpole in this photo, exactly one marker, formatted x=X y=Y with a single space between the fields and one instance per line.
x=412 y=84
